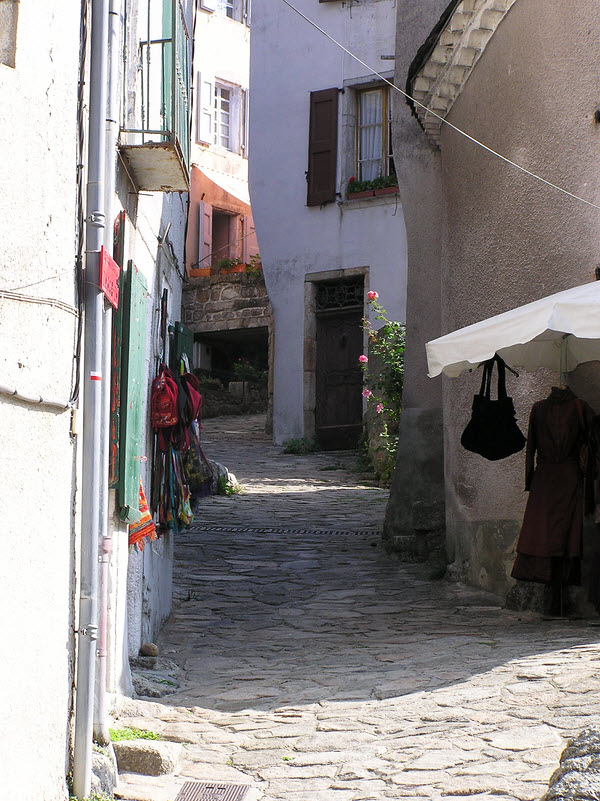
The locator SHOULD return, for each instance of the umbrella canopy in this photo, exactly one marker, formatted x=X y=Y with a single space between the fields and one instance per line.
x=530 y=336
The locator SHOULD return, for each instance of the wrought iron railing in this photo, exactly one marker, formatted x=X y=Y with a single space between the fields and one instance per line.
x=162 y=112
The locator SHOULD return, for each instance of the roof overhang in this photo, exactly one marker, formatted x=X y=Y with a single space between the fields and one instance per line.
x=444 y=63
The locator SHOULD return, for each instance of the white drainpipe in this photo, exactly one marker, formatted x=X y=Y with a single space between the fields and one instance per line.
x=101 y=722
x=93 y=364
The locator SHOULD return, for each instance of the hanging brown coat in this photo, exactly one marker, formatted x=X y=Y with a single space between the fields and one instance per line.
x=551 y=533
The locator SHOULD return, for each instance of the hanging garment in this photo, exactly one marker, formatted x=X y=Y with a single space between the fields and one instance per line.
x=550 y=542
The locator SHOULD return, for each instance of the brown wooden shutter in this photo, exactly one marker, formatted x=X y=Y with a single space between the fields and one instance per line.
x=322 y=147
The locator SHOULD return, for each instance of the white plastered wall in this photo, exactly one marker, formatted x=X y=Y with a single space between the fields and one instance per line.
x=222 y=54
x=289 y=59
x=37 y=471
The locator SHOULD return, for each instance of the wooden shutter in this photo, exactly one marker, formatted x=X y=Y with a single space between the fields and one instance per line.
x=246 y=11
x=206 y=109
x=115 y=376
x=249 y=248
x=245 y=121
x=204 y=234
x=133 y=392
x=322 y=147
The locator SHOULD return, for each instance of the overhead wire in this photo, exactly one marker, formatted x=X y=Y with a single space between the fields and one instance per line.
x=444 y=121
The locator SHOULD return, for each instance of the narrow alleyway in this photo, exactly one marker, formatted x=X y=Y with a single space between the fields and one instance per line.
x=315 y=668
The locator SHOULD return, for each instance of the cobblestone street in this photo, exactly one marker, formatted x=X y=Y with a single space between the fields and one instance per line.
x=314 y=667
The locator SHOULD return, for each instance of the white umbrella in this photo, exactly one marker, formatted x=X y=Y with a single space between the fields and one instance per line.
x=558 y=331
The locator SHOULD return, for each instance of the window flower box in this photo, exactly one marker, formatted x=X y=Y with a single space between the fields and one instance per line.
x=236 y=268
x=385 y=190
x=359 y=195
x=198 y=272
x=384 y=185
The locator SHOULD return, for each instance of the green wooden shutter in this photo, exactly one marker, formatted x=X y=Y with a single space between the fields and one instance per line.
x=115 y=373
x=183 y=342
x=133 y=391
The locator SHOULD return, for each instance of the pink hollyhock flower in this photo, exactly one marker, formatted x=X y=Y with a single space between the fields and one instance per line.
x=363 y=359
x=372 y=295
x=379 y=408
x=366 y=393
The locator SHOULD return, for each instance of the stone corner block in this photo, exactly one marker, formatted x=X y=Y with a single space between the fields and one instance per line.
x=150 y=757
x=428 y=516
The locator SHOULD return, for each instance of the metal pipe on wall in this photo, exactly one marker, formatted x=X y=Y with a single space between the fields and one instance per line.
x=101 y=727
x=92 y=404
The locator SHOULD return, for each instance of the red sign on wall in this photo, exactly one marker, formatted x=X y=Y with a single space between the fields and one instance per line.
x=109 y=278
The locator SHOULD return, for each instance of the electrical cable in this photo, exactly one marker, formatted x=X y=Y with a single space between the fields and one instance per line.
x=54 y=302
x=442 y=119
x=37 y=283
x=80 y=224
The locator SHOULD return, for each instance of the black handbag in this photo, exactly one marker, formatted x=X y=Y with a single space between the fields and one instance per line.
x=492 y=431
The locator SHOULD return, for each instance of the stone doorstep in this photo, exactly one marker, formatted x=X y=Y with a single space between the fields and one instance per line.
x=148 y=757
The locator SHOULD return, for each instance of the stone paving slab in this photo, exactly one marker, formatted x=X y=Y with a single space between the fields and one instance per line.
x=313 y=666
x=321 y=490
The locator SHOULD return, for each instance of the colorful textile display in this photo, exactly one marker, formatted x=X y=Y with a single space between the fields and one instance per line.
x=144 y=529
x=180 y=469
x=171 y=493
x=200 y=474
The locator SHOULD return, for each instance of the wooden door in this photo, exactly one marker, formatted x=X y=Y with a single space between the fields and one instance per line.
x=338 y=412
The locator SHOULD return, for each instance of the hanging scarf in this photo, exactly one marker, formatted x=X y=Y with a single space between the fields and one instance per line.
x=144 y=529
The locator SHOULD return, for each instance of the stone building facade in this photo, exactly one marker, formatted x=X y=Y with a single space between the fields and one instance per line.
x=499 y=239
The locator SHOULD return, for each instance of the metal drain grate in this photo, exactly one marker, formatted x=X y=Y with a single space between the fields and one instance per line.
x=202 y=527
x=212 y=791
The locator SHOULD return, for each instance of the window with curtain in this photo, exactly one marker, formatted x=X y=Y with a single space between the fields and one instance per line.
x=374 y=157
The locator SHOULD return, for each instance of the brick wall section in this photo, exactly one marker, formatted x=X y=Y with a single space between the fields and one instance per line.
x=226 y=302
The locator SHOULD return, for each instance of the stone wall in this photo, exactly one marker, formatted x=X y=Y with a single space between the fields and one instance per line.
x=226 y=302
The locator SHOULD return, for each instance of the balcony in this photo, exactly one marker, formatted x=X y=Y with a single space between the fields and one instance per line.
x=155 y=136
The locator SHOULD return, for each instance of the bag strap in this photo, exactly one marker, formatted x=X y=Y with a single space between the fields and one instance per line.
x=501 y=377
x=486 y=379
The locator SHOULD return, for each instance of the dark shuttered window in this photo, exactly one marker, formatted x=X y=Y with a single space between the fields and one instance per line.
x=322 y=147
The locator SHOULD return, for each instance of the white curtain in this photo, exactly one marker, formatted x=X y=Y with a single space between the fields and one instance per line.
x=370 y=128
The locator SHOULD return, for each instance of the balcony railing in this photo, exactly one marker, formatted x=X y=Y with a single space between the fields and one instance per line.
x=156 y=144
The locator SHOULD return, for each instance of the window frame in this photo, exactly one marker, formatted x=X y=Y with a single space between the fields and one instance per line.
x=218 y=99
x=207 y=126
x=222 y=8
x=241 y=10
x=386 y=140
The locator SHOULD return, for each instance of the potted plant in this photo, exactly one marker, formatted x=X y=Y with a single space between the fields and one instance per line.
x=254 y=267
x=357 y=189
x=234 y=265
x=198 y=272
x=385 y=185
